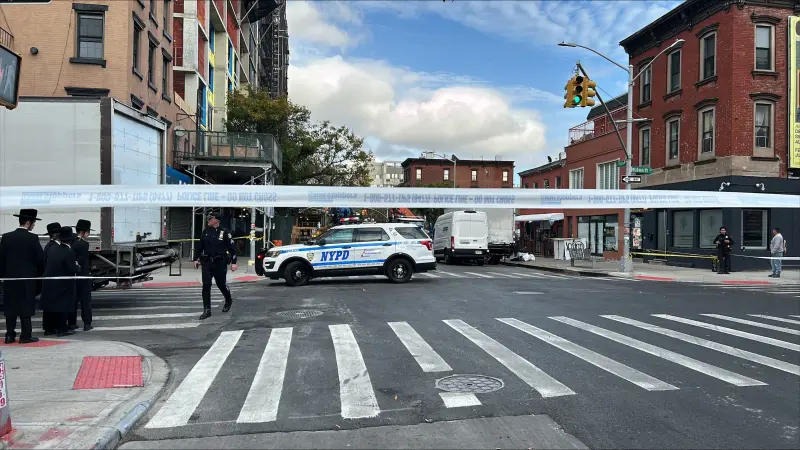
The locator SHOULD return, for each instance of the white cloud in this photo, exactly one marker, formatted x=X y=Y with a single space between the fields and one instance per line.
x=401 y=111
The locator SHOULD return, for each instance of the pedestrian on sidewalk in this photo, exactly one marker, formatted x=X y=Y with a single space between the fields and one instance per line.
x=724 y=244
x=58 y=296
x=213 y=251
x=52 y=231
x=21 y=256
x=83 y=287
x=777 y=247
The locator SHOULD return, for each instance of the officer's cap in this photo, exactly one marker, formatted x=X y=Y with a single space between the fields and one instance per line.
x=215 y=215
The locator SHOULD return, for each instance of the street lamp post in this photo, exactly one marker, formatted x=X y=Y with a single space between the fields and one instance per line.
x=627 y=262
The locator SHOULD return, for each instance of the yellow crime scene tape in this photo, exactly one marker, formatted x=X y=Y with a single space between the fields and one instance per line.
x=675 y=254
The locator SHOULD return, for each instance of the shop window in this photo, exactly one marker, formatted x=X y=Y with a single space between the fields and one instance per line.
x=754 y=228
x=683 y=229
x=611 y=233
x=710 y=221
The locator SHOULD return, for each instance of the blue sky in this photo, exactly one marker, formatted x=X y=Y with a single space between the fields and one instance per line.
x=476 y=78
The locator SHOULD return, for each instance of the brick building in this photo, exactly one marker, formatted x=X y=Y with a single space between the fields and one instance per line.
x=589 y=162
x=93 y=48
x=718 y=110
x=467 y=173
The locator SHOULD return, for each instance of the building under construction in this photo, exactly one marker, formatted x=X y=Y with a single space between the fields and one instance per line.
x=274 y=52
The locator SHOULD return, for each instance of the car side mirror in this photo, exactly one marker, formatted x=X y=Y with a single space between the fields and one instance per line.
x=319 y=242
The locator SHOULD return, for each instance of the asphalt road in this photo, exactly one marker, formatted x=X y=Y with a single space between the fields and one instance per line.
x=364 y=354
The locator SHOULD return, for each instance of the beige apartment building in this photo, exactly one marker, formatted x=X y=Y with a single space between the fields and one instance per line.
x=112 y=48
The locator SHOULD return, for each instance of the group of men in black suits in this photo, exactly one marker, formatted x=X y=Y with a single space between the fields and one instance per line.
x=50 y=272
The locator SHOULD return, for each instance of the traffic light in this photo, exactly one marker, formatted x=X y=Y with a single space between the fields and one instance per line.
x=588 y=92
x=574 y=95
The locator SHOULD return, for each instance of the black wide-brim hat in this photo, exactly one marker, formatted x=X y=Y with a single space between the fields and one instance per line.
x=30 y=214
x=65 y=234
x=54 y=227
x=83 y=225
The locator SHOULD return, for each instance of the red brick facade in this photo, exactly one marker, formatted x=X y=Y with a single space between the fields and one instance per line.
x=731 y=93
x=177 y=27
x=467 y=173
x=178 y=8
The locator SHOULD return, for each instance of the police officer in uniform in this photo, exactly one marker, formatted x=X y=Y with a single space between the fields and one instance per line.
x=724 y=244
x=213 y=251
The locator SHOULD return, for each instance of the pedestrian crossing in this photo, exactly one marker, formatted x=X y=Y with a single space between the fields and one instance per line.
x=539 y=354
x=789 y=291
x=479 y=275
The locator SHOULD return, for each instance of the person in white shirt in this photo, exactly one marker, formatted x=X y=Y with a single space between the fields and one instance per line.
x=777 y=247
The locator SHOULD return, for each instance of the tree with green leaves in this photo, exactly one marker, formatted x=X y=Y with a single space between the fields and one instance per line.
x=313 y=153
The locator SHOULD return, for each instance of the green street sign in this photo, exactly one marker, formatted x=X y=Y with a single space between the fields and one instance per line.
x=642 y=170
x=620 y=163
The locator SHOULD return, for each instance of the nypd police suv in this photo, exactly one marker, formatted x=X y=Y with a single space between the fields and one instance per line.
x=395 y=250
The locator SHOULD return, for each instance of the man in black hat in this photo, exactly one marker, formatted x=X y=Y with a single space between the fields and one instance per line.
x=52 y=231
x=58 y=295
x=83 y=287
x=214 y=249
x=21 y=256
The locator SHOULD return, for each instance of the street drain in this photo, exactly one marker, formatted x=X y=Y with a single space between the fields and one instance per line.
x=299 y=313
x=473 y=384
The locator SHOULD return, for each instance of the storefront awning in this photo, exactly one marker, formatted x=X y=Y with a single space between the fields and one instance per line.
x=552 y=217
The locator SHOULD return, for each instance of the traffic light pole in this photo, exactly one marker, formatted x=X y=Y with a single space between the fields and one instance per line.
x=626 y=265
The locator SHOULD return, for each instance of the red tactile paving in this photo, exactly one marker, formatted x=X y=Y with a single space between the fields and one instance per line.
x=248 y=278
x=745 y=282
x=41 y=343
x=648 y=277
x=174 y=284
x=103 y=372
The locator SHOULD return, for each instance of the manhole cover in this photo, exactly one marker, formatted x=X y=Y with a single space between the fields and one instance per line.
x=469 y=384
x=300 y=313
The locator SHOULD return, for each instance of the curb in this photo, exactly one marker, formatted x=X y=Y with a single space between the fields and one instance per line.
x=154 y=386
x=158 y=284
x=584 y=273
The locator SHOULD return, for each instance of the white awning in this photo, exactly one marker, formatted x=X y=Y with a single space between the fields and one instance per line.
x=552 y=217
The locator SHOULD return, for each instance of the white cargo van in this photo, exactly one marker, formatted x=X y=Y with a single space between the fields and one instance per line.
x=462 y=236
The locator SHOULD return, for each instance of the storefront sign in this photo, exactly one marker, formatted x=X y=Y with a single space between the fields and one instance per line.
x=794 y=92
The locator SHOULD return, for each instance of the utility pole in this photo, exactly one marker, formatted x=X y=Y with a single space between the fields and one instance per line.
x=626 y=265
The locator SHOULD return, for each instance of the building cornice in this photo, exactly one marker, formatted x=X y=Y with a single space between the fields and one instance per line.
x=686 y=16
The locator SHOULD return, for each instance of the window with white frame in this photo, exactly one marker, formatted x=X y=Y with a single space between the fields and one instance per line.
x=765 y=44
x=644 y=146
x=763 y=129
x=536 y=185
x=576 y=179
x=647 y=78
x=673 y=139
x=708 y=56
x=419 y=174
x=546 y=183
x=505 y=176
x=608 y=175
x=755 y=233
x=474 y=175
x=706 y=127
x=674 y=71
x=446 y=175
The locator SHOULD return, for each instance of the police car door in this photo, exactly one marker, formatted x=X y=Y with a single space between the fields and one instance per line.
x=373 y=246
x=337 y=253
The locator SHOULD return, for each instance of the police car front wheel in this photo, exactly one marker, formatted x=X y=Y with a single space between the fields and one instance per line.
x=297 y=273
x=399 y=270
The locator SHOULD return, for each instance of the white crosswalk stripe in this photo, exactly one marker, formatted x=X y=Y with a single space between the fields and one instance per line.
x=276 y=378
x=754 y=324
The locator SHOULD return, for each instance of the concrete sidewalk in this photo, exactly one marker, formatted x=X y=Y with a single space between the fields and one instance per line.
x=78 y=394
x=189 y=276
x=653 y=272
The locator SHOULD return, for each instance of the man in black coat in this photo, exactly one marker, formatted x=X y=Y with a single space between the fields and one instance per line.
x=21 y=256
x=58 y=296
x=213 y=251
x=83 y=287
x=52 y=231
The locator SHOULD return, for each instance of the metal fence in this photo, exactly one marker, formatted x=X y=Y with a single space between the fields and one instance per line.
x=225 y=146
